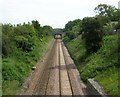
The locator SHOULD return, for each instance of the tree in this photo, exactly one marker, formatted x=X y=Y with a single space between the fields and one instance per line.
x=70 y=24
x=36 y=25
x=37 y=28
x=92 y=34
x=108 y=11
x=105 y=24
x=73 y=28
x=116 y=15
x=47 y=30
x=102 y=19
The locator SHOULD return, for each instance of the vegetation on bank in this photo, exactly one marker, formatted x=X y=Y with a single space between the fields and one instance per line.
x=23 y=45
x=95 y=49
x=102 y=65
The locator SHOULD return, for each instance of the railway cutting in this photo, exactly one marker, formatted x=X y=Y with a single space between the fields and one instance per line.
x=55 y=74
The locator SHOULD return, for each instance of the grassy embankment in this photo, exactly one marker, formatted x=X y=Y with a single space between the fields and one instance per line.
x=102 y=66
x=18 y=65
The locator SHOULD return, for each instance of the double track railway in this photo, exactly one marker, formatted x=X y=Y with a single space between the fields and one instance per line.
x=56 y=74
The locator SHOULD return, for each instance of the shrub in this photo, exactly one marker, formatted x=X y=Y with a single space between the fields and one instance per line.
x=7 y=39
x=26 y=44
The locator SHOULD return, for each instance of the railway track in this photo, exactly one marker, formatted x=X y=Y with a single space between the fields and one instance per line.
x=55 y=75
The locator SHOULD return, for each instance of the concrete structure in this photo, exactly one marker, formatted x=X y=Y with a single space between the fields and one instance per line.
x=119 y=5
x=58 y=35
x=94 y=89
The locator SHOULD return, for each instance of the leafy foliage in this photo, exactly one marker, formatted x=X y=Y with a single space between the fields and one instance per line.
x=7 y=35
x=92 y=34
x=107 y=10
x=117 y=27
x=103 y=20
x=24 y=37
x=36 y=25
x=47 y=30
x=73 y=28
x=107 y=29
x=24 y=43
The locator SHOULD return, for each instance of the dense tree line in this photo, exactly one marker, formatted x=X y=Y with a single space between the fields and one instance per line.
x=22 y=36
x=94 y=28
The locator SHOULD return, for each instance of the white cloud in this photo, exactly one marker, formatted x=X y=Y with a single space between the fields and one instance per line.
x=52 y=12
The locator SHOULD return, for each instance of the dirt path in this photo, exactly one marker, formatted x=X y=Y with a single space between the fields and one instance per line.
x=55 y=74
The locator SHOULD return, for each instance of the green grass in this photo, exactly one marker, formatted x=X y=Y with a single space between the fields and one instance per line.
x=102 y=65
x=11 y=87
x=109 y=79
x=17 y=66
x=77 y=50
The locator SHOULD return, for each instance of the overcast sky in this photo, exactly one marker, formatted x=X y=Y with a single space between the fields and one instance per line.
x=55 y=13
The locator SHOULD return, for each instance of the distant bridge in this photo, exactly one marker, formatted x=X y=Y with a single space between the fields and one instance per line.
x=58 y=35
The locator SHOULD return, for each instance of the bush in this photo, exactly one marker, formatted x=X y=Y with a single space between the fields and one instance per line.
x=26 y=44
x=7 y=39
x=107 y=29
